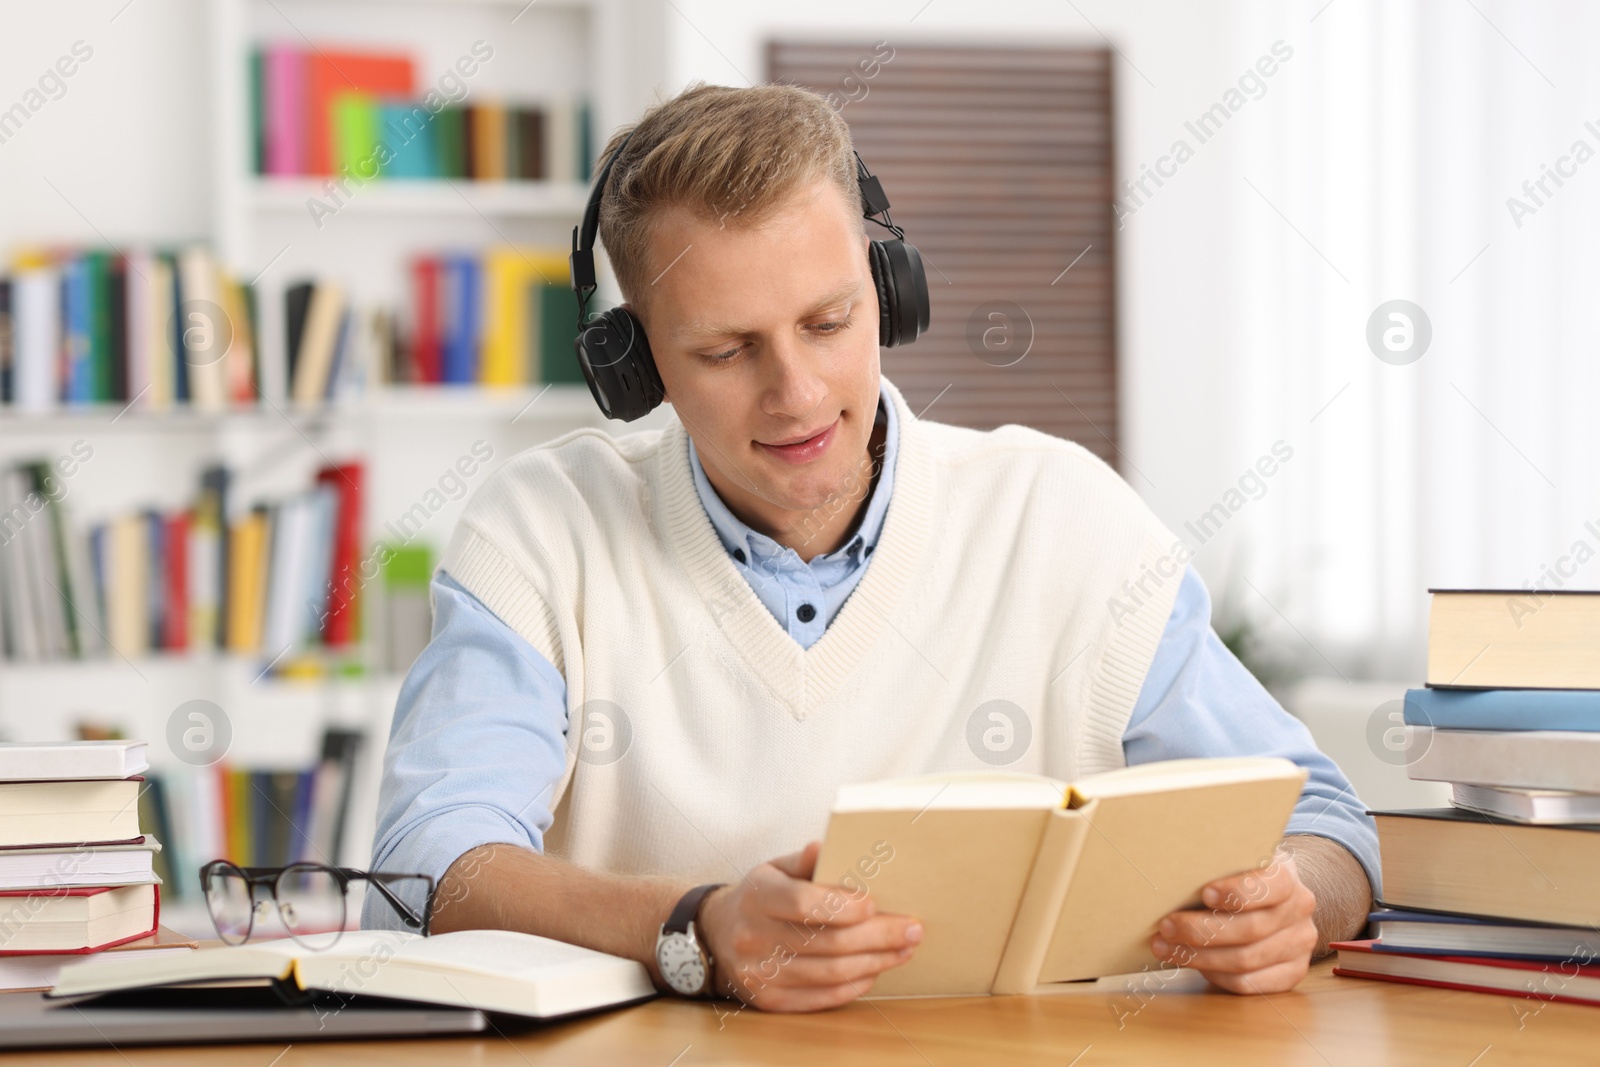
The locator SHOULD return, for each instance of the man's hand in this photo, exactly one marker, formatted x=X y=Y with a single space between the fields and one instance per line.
x=1255 y=935
x=782 y=943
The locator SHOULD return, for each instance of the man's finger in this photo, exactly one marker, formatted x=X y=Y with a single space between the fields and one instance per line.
x=791 y=900
x=1276 y=979
x=800 y=864
x=1202 y=928
x=1250 y=889
x=882 y=933
x=1287 y=944
x=827 y=971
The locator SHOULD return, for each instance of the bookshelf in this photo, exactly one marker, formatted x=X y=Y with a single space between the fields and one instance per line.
x=610 y=52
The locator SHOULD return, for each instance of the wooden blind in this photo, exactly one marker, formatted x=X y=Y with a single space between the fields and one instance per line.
x=998 y=164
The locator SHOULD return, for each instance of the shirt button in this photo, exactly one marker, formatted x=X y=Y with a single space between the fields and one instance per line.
x=805 y=613
x=738 y=554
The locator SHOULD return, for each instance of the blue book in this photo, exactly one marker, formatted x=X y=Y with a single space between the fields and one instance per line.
x=78 y=388
x=1504 y=709
x=462 y=314
x=1441 y=934
x=407 y=131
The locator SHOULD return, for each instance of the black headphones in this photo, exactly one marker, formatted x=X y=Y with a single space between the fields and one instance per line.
x=615 y=354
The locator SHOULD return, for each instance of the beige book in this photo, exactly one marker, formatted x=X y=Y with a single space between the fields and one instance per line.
x=318 y=343
x=206 y=328
x=1025 y=883
x=1513 y=639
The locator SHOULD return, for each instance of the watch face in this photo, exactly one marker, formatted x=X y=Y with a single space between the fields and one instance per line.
x=681 y=963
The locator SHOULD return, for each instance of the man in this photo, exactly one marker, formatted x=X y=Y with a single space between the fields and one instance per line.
x=796 y=584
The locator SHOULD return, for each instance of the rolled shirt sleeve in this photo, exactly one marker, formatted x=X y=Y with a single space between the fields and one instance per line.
x=1199 y=700
x=475 y=751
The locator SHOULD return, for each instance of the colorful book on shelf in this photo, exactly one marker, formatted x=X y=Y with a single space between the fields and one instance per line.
x=558 y=330
x=426 y=324
x=340 y=628
x=409 y=133
x=8 y=350
x=356 y=134
x=285 y=119
x=334 y=73
x=461 y=283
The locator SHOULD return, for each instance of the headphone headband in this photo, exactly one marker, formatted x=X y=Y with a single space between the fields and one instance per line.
x=614 y=353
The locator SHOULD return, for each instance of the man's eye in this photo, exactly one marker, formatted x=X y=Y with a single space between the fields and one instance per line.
x=722 y=357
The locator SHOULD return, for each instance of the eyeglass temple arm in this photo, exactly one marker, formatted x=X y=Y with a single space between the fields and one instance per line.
x=378 y=880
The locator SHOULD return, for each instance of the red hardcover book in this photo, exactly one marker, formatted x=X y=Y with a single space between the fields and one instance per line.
x=82 y=891
x=1568 y=981
x=425 y=338
x=329 y=74
x=175 y=627
x=346 y=479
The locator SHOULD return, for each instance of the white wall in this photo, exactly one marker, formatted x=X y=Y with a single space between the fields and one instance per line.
x=127 y=145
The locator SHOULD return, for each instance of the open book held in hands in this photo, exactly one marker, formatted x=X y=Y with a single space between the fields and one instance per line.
x=1024 y=883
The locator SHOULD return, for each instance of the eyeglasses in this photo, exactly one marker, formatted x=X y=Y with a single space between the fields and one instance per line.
x=309 y=898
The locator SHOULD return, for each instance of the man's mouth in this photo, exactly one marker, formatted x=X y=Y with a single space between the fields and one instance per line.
x=803 y=447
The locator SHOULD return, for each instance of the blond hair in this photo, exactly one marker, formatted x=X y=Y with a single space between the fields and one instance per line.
x=728 y=155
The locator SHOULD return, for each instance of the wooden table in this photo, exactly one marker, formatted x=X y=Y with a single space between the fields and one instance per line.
x=1326 y=1022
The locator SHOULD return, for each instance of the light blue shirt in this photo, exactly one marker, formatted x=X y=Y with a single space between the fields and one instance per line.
x=478 y=742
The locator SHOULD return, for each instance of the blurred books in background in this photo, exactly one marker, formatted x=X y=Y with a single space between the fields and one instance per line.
x=325 y=111
x=280 y=576
x=78 y=872
x=253 y=816
x=157 y=330
x=1496 y=893
x=100 y=326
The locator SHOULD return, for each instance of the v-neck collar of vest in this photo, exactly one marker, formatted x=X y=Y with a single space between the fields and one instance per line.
x=802 y=678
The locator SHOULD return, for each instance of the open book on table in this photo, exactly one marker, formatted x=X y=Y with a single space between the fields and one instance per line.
x=1024 y=883
x=490 y=970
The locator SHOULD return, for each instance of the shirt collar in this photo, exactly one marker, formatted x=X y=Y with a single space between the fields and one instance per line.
x=738 y=538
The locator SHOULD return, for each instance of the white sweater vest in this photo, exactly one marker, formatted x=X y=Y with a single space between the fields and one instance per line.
x=1007 y=619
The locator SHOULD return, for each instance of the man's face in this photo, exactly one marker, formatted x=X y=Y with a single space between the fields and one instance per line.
x=766 y=338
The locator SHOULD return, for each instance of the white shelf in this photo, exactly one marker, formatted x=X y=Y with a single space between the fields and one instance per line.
x=527 y=405
x=441 y=196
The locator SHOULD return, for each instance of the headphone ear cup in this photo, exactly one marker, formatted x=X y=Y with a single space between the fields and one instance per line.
x=902 y=285
x=883 y=282
x=614 y=355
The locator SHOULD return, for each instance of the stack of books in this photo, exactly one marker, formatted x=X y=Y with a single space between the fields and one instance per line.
x=76 y=874
x=1496 y=892
x=154 y=328
x=328 y=111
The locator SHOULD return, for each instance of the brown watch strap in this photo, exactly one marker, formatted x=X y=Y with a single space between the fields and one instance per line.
x=687 y=908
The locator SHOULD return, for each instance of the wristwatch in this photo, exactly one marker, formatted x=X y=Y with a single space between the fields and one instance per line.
x=684 y=962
